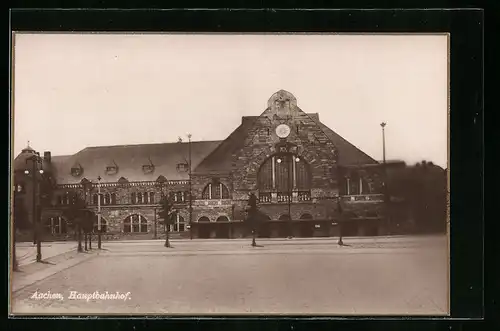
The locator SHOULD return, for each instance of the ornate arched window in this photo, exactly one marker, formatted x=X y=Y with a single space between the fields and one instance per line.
x=215 y=190
x=135 y=223
x=284 y=173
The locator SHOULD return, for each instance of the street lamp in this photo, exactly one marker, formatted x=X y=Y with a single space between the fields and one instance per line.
x=190 y=190
x=190 y=169
x=99 y=212
x=386 y=192
x=36 y=160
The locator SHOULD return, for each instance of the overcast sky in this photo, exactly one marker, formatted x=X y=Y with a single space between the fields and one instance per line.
x=78 y=90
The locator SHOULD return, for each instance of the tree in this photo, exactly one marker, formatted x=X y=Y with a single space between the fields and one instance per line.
x=167 y=214
x=252 y=218
x=20 y=222
x=80 y=217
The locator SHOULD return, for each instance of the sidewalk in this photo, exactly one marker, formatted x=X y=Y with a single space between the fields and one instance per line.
x=31 y=273
x=26 y=252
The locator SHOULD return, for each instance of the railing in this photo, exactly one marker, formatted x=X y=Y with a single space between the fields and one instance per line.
x=363 y=198
x=283 y=197
x=304 y=196
x=265 y=197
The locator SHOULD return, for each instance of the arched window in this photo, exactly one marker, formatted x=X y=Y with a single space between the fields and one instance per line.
x=95 y=199
x=151 y=197
x=133 y=198
x=306 y=217
x=215 y=190
x=139 y=197
x=203 y=219
x=113 y=198
x=283 y=173
x=179 y=224
x=135 y=223
x=146 y=197
x=104 y=226
x=56 y=225
x=222 y=219
x=284 y=217
x=107 y=199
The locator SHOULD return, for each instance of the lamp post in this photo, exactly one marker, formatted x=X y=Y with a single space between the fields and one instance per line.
x=386 y=192
x=99 y=212
x=35 y=161
x=190 y=190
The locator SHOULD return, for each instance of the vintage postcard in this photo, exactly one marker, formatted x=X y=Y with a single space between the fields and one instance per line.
x=219 y=174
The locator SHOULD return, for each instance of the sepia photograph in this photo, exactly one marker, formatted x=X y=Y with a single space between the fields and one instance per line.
x=226 y=174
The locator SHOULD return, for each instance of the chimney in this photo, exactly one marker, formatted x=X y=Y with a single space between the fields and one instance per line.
x=46 y=156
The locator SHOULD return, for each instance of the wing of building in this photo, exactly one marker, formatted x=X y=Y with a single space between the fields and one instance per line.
x=300 y=170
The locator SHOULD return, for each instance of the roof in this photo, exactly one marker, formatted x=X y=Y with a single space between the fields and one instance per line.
x=220 y=160
x=348 y=154
x=130 y=160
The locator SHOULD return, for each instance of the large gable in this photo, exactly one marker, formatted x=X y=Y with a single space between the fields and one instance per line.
x=220 y=160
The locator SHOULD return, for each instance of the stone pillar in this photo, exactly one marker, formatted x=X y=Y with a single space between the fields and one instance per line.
x=274 y=197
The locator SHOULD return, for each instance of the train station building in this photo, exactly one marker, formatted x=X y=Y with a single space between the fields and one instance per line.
x=297 y=167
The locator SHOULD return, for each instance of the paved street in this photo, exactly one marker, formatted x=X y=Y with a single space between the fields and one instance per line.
x=398 y=275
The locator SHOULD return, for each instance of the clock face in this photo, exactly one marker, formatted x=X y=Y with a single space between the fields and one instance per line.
x=282 y=130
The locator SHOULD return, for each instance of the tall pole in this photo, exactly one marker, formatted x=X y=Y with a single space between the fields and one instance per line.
x=36 y=206
x=155 y=234
x=386 y=199
x=36 y=213
x=99 y=212
x=190 y=191
x=290 y=165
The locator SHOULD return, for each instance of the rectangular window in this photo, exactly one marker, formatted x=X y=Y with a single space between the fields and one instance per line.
x=132 y=198
x=216 y=192
x=113 y=199
x=151 y=197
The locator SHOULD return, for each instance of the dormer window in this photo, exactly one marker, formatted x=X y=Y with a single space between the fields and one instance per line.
x=148 y=168
x=76 y=170
x=112 y=168
x=182 y=167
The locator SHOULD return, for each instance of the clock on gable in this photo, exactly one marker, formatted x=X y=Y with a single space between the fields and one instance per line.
x=282 y=130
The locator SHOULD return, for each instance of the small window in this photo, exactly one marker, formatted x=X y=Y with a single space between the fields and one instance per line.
x=182 y=167
x=76 y=172
x=132 y=198
x=148 y=168
x=111 y=170
x=113 y=198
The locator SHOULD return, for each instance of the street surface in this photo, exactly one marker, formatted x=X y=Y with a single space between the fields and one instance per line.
x=372 y=276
